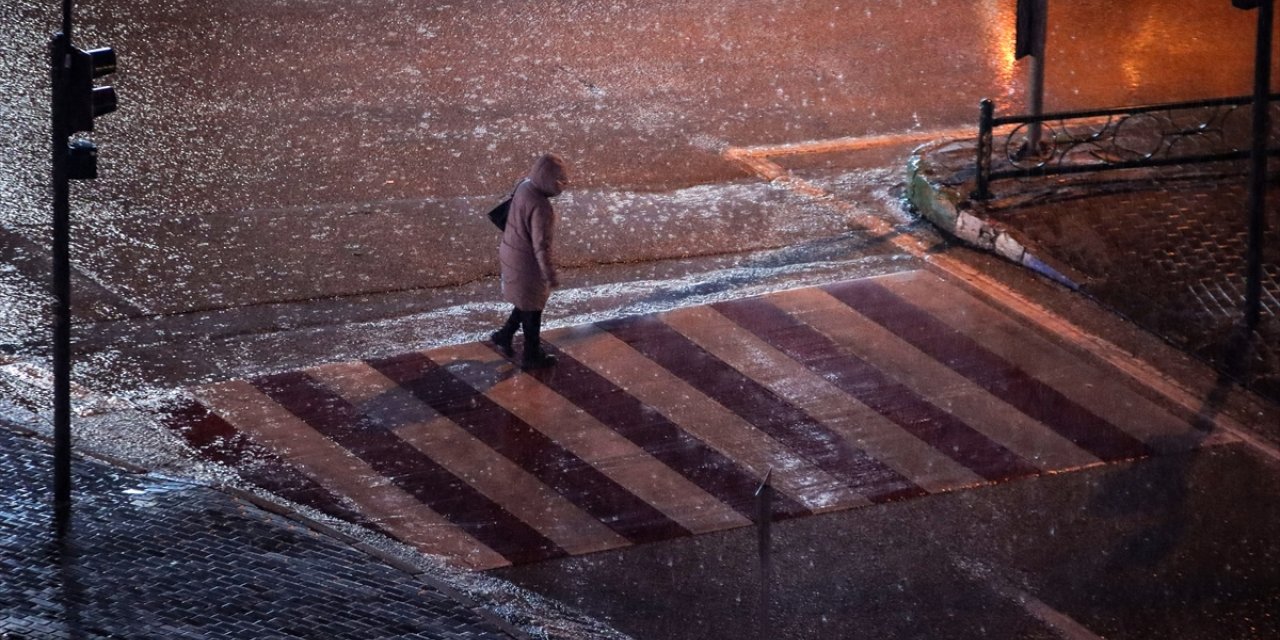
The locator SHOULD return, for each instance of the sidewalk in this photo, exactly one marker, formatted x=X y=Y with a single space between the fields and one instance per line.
x=150 y=558
x=1164 y=248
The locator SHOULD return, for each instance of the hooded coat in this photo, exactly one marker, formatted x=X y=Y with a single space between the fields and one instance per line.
x=528 y=268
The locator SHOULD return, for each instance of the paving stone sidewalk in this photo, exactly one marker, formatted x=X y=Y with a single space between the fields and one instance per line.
x=149 y=558
x=1162 y=247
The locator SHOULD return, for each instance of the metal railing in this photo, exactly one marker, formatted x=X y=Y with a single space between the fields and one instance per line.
x=1120 y=138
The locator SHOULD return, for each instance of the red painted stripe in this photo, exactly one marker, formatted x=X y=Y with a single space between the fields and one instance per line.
x=759 y=406
x=680 y=450
x=870 y=386
x=409 y=469
x=572 y=477
x=220 y=441
x=998 y=376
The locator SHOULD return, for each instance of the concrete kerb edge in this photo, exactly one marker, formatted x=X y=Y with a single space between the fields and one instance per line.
x=943 y=199
x=280 y=507
x=31 y=432
x=379 y=555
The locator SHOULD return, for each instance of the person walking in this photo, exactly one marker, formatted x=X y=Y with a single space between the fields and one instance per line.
x=528 y=267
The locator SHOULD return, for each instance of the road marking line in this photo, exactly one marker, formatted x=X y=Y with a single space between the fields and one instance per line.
x=1063 y=624
x=681 y=451
x=859 y=143
x=487 y=471
x=450 y=395
x=1059 y=621
x=1140 y=371
x=596 y=443
x=937 y=383
x=339 y=471
x=704 y=417
x=861 y=425
x=755 y=159
x=1080 y=380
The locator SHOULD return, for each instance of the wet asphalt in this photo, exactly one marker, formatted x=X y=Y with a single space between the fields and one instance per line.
x=302 y=152
x=293 y=182
x=1181 y=546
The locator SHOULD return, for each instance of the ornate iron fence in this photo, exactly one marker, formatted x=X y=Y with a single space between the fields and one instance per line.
x=1120 y=138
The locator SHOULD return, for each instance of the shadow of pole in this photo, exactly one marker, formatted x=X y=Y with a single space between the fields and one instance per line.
x=1160 y=488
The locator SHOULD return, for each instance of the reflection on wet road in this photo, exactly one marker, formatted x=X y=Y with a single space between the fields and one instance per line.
x=237 y=106
x=307 y=150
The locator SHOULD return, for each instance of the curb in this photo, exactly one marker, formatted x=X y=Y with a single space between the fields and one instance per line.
x=942 y=198
x=378 y=555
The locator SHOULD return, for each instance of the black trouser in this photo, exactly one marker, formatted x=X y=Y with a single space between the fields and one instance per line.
x=531 y=323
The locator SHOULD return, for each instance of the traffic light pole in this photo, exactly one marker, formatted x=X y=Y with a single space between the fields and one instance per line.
x=1032 y=24
x=74 y=105
x=1036 y=90
x=1258 y=168
x=60 y=57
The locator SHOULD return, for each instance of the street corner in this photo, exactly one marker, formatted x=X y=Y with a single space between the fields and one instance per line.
x=119 y=430
x=1162 y=246
x=941 y=181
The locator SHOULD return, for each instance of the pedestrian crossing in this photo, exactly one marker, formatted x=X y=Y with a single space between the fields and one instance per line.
x=661 y=426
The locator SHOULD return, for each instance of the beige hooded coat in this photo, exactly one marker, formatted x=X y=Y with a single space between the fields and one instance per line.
x=528 y=270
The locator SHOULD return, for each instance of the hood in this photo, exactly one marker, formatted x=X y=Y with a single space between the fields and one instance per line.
x=548 y=174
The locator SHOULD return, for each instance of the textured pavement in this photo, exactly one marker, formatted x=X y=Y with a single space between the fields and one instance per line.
x=149 y=558
x=662 y=426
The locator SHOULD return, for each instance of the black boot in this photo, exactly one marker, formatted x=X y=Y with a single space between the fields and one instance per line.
x=502 y=337
x=534 y=356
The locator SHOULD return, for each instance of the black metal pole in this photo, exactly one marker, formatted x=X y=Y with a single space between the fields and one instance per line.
x=764 y=520
x=986 y=113
x=1258 y=165
x=1037 y=77
x=59 y=50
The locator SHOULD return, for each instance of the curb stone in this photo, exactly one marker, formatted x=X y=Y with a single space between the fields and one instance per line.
x=944 y=201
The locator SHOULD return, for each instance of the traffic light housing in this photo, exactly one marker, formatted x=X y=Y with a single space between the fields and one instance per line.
x=85 y=101
x=82 y=160
x=76 y=102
